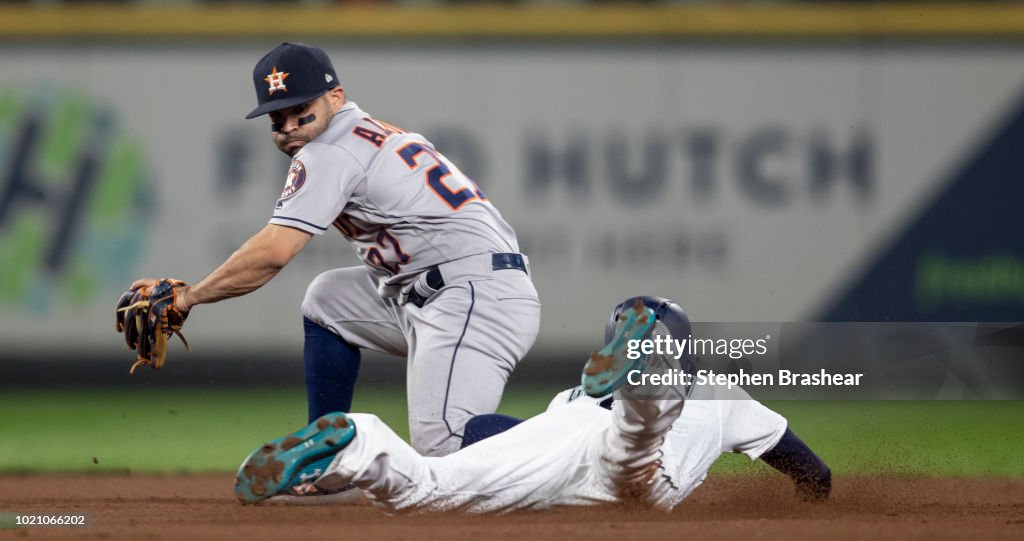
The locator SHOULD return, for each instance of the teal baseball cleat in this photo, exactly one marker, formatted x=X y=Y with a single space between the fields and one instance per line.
x=277 y=465
x=608 y=369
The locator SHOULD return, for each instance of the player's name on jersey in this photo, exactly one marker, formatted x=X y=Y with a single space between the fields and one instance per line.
x=742 y=378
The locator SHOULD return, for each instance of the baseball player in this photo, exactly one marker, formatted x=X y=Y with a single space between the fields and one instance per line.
x=655 y=451
x=443 y=281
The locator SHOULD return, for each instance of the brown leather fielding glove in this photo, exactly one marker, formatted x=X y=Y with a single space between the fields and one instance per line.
x=148 y=317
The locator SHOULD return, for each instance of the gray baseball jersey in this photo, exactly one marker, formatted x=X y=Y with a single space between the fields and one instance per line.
x=401 y=203
x=406 y=208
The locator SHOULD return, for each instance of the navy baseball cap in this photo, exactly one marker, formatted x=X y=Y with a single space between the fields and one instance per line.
x=291 y=74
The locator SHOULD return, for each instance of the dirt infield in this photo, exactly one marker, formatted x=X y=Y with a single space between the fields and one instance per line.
x=202 y=507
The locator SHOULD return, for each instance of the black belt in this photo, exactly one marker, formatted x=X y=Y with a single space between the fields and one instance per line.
x=435 y=281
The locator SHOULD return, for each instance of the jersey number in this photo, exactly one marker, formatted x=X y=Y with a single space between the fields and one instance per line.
x=384 y=239
x=435 y=178
x=376 y=258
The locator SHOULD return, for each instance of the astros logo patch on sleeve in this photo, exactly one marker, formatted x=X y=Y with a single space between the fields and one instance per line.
x=296 y=178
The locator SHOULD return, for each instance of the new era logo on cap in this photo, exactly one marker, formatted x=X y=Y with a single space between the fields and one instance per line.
x=308 y=71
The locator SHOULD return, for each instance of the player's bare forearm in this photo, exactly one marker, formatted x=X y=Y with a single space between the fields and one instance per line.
x=255 y=263
x=250 y=267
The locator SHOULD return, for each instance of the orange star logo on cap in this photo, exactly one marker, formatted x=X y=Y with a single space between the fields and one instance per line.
x=276 y=80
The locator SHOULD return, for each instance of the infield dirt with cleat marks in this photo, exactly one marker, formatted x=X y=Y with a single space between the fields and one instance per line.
x=199 y=507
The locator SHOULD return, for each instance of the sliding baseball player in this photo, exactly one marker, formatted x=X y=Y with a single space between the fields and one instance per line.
x=655 y=451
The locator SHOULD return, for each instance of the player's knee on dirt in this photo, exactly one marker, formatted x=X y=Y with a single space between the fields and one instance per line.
x=793 y=457
x=482 y=427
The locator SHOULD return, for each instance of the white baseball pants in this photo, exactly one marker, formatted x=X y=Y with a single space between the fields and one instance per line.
x=656 y=452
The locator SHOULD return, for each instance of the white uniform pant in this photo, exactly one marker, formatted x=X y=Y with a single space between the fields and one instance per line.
x=461 y=345
x=579 y=454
